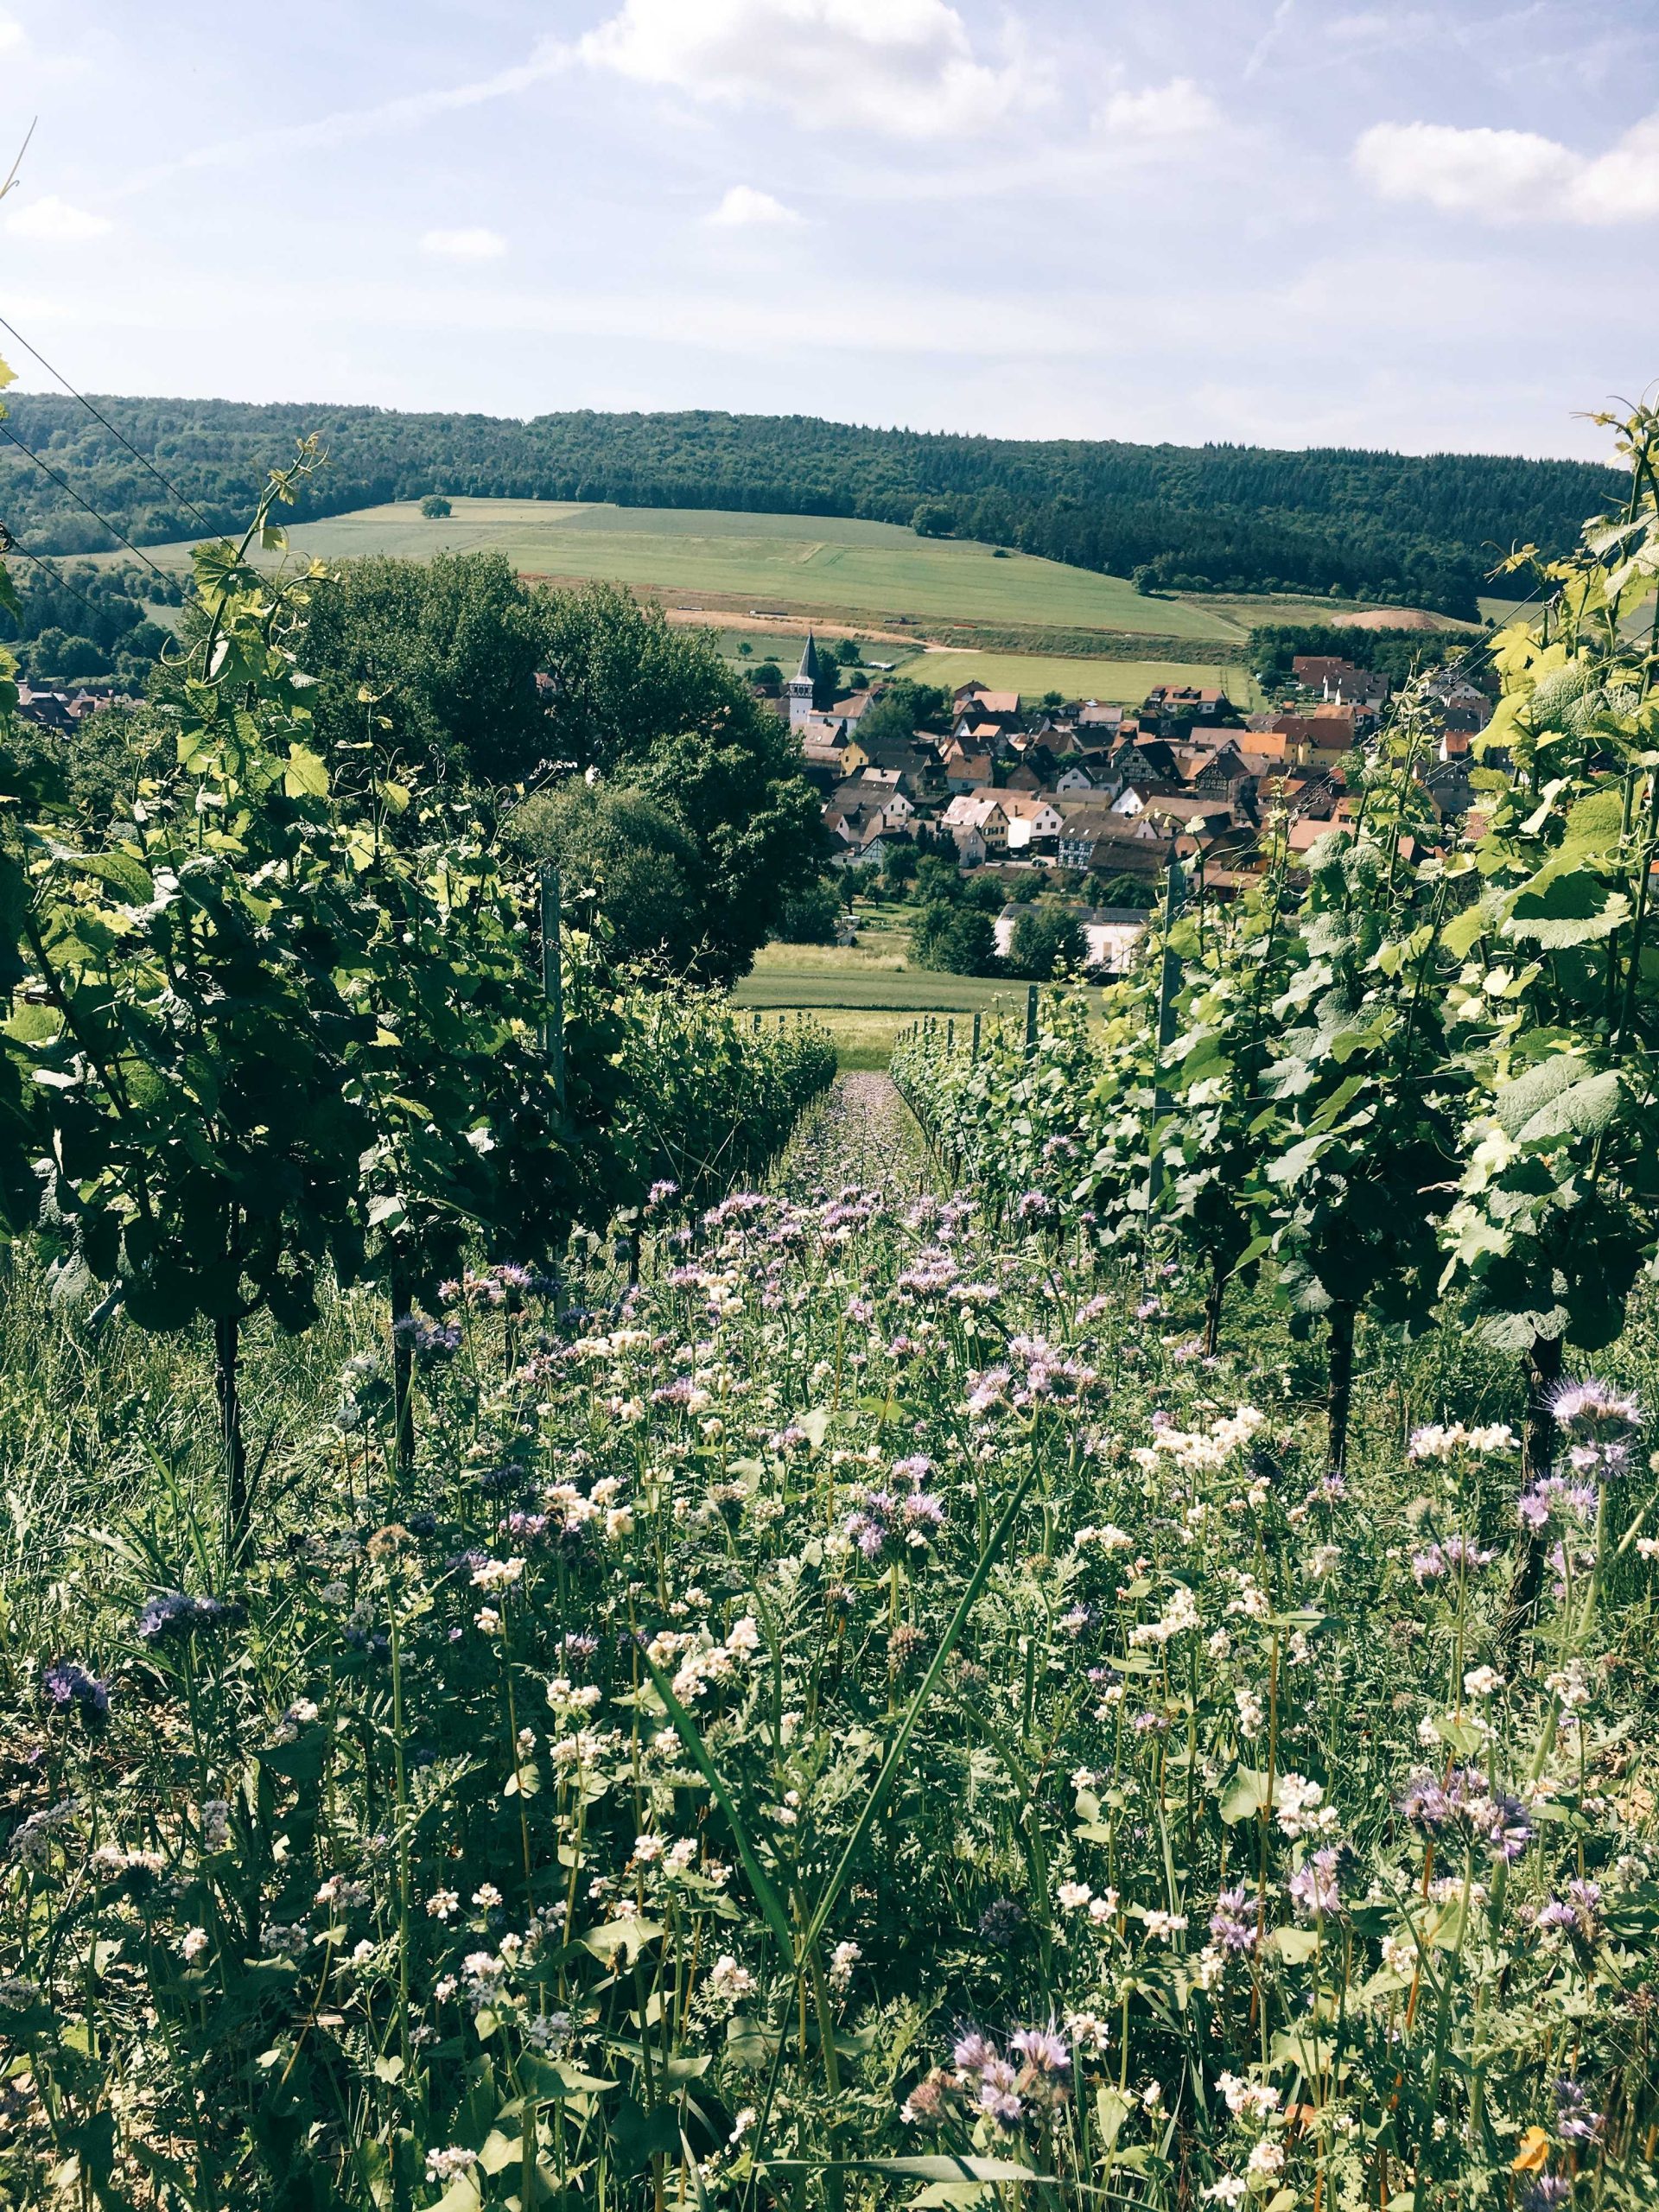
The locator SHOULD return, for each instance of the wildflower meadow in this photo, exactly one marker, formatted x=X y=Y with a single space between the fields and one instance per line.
x=860 y=1716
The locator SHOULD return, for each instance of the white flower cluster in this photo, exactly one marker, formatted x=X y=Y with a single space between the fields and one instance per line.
x=698 y=1659
x=1254 y=2099
x=1109 y=1539
x=1078 y=1896
x=1301 y=1808
x=110 y=1859
x=494 y=1575
x=1252 y=1600
x=728 y=1982
x=1199 y=1452
x=842 y=1960
x=1441 y=1441
x=570 y=1700
x=1180 y=1613
x=340 y=1895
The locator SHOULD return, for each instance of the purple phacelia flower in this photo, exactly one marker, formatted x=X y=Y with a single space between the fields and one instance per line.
x=68 y=1688
x=1228 y=1925
x=171 y=1617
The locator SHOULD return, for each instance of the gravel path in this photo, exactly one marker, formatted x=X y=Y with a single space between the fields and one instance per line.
x=861 y=1131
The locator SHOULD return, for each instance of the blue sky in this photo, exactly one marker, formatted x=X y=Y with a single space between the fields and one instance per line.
x=1291 y=221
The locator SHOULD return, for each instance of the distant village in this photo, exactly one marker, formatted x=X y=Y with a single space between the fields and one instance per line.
x=61 y=710
x=1091 y=797
x=1105 y=793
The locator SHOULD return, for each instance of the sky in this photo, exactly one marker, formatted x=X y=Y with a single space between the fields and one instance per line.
x=1288 y=222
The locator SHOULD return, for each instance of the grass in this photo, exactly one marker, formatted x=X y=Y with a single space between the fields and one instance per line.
x=865 y=1036
x=1033 y=674
x=782 y=561
x=787 y=564
x=866 y=994
x=876 y=577
x=1030 y=674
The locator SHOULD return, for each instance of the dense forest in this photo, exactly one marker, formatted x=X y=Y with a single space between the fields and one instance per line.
x=74 y=620
x=1427 y=528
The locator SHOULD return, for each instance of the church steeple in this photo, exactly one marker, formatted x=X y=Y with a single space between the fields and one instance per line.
x=801 y=686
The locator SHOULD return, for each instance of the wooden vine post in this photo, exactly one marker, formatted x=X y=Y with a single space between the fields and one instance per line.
x=1169 y=988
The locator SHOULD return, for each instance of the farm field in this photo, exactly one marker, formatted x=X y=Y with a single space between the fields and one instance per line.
x=865 y=995
x=1030 y=674
x=831 y=567
x=1033 y=674
x=778 y=562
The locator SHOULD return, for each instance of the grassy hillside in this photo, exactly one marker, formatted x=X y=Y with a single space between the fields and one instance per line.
x=770 y=563
x=1422 y=529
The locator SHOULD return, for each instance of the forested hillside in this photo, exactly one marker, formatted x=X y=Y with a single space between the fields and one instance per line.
x=1388 y=525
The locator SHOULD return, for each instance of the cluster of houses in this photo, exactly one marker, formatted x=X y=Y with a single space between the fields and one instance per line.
x=1103 y=790
x=60 y=710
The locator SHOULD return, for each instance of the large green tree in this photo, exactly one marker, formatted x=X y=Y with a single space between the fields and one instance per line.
x=447 y=652
x=656 y=709
x=622 y=856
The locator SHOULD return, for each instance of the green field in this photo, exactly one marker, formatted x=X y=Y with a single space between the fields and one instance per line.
x=1033 y=674
x=781 y=561
x=866 y=994
x=896 y=590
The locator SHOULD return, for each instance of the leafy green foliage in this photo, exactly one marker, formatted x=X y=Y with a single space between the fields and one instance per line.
x=72 y=619
x=813 y=916
x=954 y=935
x=1402 y=1075
x=280 y=1023
x=654 y=708
x=903 y=708
x=1045 y=940
x=625 y=859
x=447 y=652
x=1555 y=1009
x=1397 y=654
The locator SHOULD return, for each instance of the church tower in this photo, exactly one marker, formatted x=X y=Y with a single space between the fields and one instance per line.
x=800 y=686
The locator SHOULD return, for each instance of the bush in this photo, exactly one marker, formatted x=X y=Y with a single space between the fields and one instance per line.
x=624 y=858
x=68 y=657
x=812 y=916
x=956 y=938
x=1045 y=939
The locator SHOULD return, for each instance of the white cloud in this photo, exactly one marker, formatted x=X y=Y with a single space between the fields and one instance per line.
x=54 y=222
x=1622 y=185
x=1176 y=110
x=1512 y=175
x=547 y=59
x=906 y=68
x=744 y=208
x=464 y=245
x=1277 y=24
x=12 y=35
